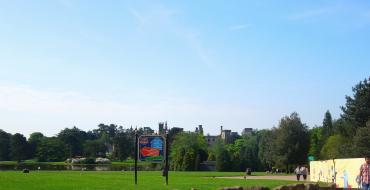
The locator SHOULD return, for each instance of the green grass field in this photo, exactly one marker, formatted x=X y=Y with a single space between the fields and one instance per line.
x=90 y=180
x=123 y=163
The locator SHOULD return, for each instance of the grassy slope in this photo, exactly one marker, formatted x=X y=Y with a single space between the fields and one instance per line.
x=53 y=180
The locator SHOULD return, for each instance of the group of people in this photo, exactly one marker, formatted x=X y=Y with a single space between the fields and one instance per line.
x=301 y=171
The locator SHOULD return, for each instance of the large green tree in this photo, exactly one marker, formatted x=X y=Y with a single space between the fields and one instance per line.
x=19 y=147
x=292 y=141
x=74 y=138
x=5 y=139
x=34 y=141
x=188 y=163
x=51 y=150
x=243 y=153
x=344 y=127
x=266 y=148
x=357 y=108
x=316 y=141
x=249 y=153
x=362 y=141
x=327 y=125
x=188 y=150
x=223 y=160
x=110 y=130
x=336 y=146
x=94 y=148
x=123 y=145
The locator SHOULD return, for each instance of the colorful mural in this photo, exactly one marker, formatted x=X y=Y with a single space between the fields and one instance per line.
x=343 y=172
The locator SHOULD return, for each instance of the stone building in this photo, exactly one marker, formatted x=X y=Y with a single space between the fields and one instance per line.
x=211 y=140
x=247 y=131
x=162 y=128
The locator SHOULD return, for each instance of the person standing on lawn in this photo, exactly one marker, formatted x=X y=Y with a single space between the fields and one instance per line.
x=365 y=173
x=297 y=172
x=304 y=171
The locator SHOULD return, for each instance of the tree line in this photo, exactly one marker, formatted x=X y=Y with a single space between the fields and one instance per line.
x=69 y=143
x=284 y=146
x=288 y=144
x=107 y=141
x=279 y=147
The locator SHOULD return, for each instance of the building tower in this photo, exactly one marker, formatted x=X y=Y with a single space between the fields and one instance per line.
x=165 y=128
x=161 y=128
x=200 y=127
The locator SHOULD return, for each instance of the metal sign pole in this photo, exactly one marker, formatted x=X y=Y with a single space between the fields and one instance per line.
x=166 y=167
x=152 y=148
x=136 y=154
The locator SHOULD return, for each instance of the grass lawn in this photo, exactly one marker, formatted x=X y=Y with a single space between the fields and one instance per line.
x=30 y=162
x=91 y=180
x=123 y=163
x=268 y=174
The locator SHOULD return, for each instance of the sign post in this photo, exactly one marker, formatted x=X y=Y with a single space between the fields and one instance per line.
x=136 y=154
x=166 y=165
x=152 y=148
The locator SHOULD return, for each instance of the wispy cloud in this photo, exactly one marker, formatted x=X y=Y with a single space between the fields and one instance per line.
x=91 y=35
x=138 y=17
x=49 y=111
x=152 y=18
x=312 y=13
x=66 y=3
x=239 y=27
x=196 y=44
x=163 y=18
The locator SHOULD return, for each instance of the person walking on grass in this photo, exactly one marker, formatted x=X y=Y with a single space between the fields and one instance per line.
x=365 y=173
x=303 y=171
x=297 y=172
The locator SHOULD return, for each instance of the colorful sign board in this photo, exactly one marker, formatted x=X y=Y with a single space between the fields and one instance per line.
x=151 y=148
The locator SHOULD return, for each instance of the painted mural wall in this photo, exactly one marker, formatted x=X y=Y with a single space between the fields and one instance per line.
x=343 y=172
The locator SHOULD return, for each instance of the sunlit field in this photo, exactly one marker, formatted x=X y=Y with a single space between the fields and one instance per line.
x=91 y=180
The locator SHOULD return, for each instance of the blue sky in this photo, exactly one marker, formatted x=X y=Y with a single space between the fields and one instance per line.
x=232 y=63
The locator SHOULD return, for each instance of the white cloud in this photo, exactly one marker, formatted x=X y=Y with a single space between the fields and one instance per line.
x=26 y=109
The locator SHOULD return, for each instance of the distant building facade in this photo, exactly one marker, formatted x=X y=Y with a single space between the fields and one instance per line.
x=228 y=136
x=162 y=128
x=199 y=129
x=247 y=131
x=211 y=140
x=148 y=131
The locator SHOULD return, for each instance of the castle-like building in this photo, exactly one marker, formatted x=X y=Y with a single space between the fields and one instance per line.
x=227 y=136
